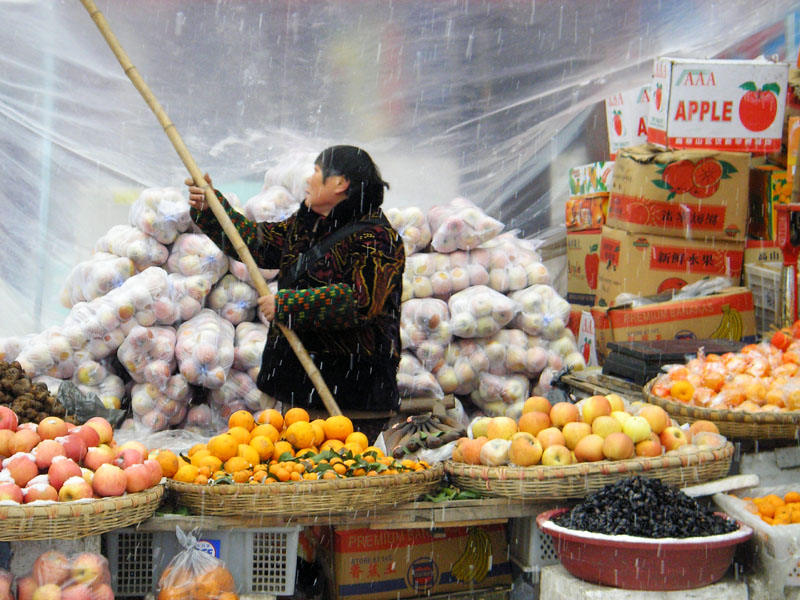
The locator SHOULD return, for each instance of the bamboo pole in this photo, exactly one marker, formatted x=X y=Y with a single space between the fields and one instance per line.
x=211 y=199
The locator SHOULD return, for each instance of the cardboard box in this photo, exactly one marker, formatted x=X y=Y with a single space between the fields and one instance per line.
x=769 y=185
x=583 y=266
x=660 y=191
x=646 y=265
x=586 y=212
x=626 y=118
x=373 y=564
x=734 y=105
x=762 y=251
x=695 y=318
x=589 y=179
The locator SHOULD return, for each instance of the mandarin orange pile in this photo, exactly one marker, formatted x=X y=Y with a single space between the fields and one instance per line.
x=185 y=584
x=776 y=510
x=759 y=378
x=289 y=447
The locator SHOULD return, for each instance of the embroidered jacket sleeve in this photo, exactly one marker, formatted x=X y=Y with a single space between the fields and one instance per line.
x=375 y=268
x=264 y=240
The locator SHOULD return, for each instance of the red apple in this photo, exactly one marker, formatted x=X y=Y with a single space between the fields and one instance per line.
x=154 y=468
x=61 y=470
x=556 y=456
x=22 y=468
x=24 y=440
x=99 y=455
x=25 y=588
x=88 y=568
x=6 y=579
x=574 y=432
x=589 y=448
x=46 y=451
x=128 y=457
x=8 y=419
x=88 y=434
x=40 y=491
x=563 y=413
x=102 y=592
x=11 y=491
x=77 y=592
x=536 y=404
x=132 y=444
x=593 y=407
x=656 y=416
x=618 y=446
x=551 y=436
x=32 y=426
x=673 y=438
x=637 y=428
x=49 y=591
x=51 y=567
x=138 y=478
x=501 y=428
x=109 y=480
x=533 y=422
x=51 y=428
x=102 y=427
x=74 y=446
x=75 y=488
x=525 y=450
x=5 y=437
x=616 y=401
x=649 y=447
x=701 y=425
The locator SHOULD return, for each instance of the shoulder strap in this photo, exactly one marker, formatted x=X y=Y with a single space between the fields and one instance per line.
x=306 y=259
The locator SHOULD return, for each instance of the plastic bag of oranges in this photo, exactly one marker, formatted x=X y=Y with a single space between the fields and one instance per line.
x=195 y=575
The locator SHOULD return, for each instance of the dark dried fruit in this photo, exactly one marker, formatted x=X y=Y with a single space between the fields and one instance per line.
x=31 y=401
x=644 y=507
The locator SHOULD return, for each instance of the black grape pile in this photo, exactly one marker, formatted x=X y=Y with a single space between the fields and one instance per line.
x=644 y=507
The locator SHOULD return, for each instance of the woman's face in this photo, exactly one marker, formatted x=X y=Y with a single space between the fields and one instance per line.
x=321 y=196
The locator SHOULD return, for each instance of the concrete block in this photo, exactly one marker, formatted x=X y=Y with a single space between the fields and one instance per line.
x=558 y=584
x=24 y=553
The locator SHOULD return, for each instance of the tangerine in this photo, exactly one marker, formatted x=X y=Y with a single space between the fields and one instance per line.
x=332 y=444
x=168 y=461
x=194 y=449
x=272 y=417
x=265 y=430
x=210 y=462
x=300 y=434
x=295 y=414
x=242 y=418
x=318 y=425
x=249 y=453
x=186 y=474
x=236 y=463
x=198 y=456
x=338 y=427
x=223 y=446
x=358 y=438
x=281 y=448
x=240 y=434
x=378 y=452
x=263 y=446
x=682 y=390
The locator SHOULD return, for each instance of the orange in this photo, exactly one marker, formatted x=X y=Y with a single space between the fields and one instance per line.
x=775 y=500
x=682 y=390
x=266 y=430
x=168 y=461
x=249 y=453
x=213 y=582
x=201 y=479
x=354 y=447
x=358 y=438
x=242 y=476
x=280 y=473
x=282 y=447
x=211 y=462
x=319 y=431
x=295 y=414
x=378 y=452
x=186 y=474
x=223 y=446
x=240 y=434
x=263 y=446
x=272 y=417
x=242 y=418
x=766 y=509
x=310 y=451
x=194 y=449
x=338 y=427
x=300 y=434
x=791 y=497
x=236 y=463
x=198 y=456
x=334 y=445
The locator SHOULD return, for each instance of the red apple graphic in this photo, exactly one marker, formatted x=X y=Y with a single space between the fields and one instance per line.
x=591 y=265
x=617 y=122
x=657 y=96
x=757 y=108
x=585 y=350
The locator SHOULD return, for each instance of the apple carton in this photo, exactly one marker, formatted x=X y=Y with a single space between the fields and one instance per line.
x=693 y=194
x=583 y=265
x=735 y=105
x=626 y=118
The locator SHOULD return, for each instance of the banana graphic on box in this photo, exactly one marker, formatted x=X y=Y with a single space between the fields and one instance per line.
x=730 y=327
x=476 y=559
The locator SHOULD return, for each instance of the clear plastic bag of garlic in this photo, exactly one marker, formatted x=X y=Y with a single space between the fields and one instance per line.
x=204 y=349
x=154 y=409
x=425 y=329
x=239 y=270
x=239 y=392
x=196 y=254
x=543 y=312
x=148 y=354
x=233 y=299
x=412 y=225
x=271 y=205
x=460 y=225
x=480 y=312
x=99 y=379
x=496 y=393
x=415 y=381
x=135 y=244
x=463 y=361
x=432 y=274
x=249 y=341
x=161 y=213
x=95 y=277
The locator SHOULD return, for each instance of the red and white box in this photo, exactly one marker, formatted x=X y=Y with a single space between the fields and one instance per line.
x=626 y=118
x=735 y=105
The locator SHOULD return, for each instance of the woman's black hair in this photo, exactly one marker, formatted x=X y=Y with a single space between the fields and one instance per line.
x=366 y=184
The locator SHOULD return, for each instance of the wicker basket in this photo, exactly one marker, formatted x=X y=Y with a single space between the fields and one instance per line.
x=578 y=480
x=77 y=519
x=324 y=496
x=737 y=424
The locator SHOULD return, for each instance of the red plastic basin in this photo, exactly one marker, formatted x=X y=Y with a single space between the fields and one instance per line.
x=637 y=563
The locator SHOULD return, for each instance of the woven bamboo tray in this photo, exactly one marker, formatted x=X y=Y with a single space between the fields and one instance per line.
x=734 y=424
x=578 y=480
x=77 y=519
x=324 y=496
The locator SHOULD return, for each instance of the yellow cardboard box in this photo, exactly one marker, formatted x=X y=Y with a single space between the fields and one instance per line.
x=727 y=315
x=646 y=265
x=769 y=185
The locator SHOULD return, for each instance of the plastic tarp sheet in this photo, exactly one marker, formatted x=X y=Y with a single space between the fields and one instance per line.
x=491 y=100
